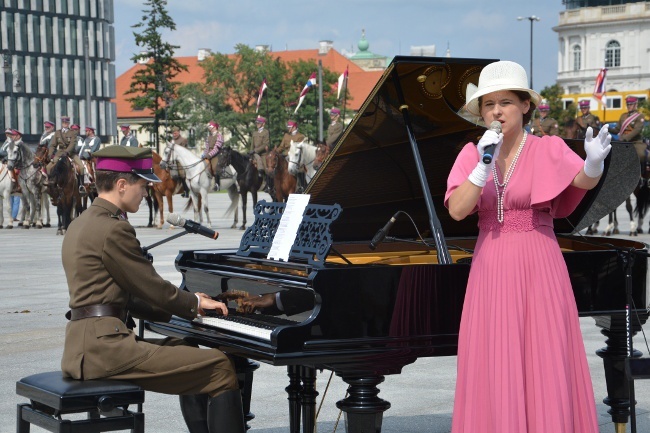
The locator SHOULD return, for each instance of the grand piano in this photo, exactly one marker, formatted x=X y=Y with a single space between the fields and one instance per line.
x=365 y=313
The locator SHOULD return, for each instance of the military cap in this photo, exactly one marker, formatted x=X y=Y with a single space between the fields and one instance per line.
x=8 y=131
x=65 y=119
x=176 y=129
x=584 y=103
x=127 y=127
x=75 y=127
x=16 y=132
x=291 y=124
x=127 y=159
x=631 y=100
x=48 y=123
x=92 y=128
x=335 y=111
x=544 y=107
x=213 y=124
x=260 y=119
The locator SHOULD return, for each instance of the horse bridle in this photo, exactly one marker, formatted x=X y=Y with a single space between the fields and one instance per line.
x=169 y=150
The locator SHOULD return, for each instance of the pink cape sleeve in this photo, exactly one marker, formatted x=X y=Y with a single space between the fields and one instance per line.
x=465 y=162
x=555 y=167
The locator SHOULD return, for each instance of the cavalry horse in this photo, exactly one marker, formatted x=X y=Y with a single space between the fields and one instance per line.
x=283 y=181
x=302 y=156
x=5 y=195
x=167 y=187
x=198 y=179
x=30 y=178
x=248 y=177
x=64 y=193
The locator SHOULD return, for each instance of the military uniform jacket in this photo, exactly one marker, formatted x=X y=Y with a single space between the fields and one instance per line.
x=90 y=145
x=284 y=146
x=633 y=131
x=104 y=264
x=261 y=141
x=63 y=141
x=129 y=140
x=547 y=126
x=334 y=131
x=585 y=122
x=181 y=141
x=46 y=139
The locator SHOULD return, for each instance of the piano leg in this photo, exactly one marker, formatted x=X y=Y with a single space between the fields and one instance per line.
x=363 y=409
x=614 y=354
x=245 y=368
x=309 y=395
x=294 y=390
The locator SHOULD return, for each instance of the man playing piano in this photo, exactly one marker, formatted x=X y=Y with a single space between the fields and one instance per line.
x=522 y=366
x=109 y=278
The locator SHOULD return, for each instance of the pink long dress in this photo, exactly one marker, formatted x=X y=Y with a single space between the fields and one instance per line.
x=522 y=366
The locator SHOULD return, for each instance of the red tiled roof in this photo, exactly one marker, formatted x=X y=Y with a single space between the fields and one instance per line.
x=360 y=82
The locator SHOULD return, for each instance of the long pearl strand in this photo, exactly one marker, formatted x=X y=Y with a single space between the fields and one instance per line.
x=498 y=185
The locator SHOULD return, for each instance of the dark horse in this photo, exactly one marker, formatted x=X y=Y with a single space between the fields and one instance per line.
x=248 y=177
x=278 y=168
x=64 y=193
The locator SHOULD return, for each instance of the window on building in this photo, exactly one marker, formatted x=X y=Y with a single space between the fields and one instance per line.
x=577 y=57
x=613 y=54
x=614 y=102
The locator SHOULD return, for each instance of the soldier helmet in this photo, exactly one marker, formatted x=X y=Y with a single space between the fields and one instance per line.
x=92 y=128
x=125 y=127
x=16 y=132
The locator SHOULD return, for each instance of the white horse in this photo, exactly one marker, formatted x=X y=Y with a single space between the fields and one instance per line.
x=5 y=194
x=301 y=159
x=31 y=182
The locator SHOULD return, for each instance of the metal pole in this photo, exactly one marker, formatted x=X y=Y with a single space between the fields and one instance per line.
x=88 y=78
x=320 y=101
x=531 y=51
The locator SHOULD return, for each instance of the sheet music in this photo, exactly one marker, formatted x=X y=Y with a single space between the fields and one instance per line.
x=287 y=230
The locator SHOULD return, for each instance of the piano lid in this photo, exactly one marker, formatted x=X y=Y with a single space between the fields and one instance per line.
x=371 y=171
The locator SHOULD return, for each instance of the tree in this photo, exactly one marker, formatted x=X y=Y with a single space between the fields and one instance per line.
x=553 y=95
x=152 y=85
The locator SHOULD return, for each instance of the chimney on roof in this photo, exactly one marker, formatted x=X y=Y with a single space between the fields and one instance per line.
x=261 y=48
x=203 y=54
x=324 y=47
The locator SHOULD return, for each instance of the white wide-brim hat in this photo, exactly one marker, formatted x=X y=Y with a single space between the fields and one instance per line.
x=497 y=76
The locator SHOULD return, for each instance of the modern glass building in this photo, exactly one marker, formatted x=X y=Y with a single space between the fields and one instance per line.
x=57 y=60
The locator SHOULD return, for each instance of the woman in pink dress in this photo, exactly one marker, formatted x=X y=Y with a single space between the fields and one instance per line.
x=522 y=366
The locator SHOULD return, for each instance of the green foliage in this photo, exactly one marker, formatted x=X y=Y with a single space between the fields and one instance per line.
x=152 y=86
x=230 y=90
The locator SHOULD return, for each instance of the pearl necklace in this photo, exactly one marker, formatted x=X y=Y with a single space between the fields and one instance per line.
x=498 y=185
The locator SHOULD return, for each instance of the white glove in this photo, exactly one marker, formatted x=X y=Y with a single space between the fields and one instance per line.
x=596 y=148
x=480 y=173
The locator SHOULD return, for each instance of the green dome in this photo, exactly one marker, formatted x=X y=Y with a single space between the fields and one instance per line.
x=363 y=42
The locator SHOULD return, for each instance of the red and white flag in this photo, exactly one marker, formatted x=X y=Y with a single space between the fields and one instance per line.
x=599 y=88
x=343 y=82
x=261 y=93
x=310 y=83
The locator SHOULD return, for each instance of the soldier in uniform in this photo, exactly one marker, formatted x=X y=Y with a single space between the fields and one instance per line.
x=630 y=125
x=177 y=173
x=129 y=138
x=586 y=119
x=86 y=150
x=292 y=134
x=64 y=143
x=47 y=135
x=109 y=278
x=213 y=144
x=545 y=125
x=335 y=129
x=259 y=147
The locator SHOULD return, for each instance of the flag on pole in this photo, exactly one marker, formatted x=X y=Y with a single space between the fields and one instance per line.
x=259 y=96
x=599 y=88
x=343 y=82
x=311 y=82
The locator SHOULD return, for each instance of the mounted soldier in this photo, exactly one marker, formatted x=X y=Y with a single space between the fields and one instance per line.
x=586 y=119
x=129 y=138
x=260 y=143
x=63 y=144
x=630 y=125
x=545 y=125
x=213 y=144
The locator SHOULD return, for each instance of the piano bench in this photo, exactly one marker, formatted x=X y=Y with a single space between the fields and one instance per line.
x=51 y=395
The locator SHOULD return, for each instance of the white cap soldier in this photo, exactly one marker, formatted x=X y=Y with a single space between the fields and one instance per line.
x=109 y=278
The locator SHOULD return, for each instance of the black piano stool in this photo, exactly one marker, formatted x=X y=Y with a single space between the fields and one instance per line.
x=51 y=395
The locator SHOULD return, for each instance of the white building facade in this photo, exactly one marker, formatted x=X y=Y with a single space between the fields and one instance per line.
x=57 y=58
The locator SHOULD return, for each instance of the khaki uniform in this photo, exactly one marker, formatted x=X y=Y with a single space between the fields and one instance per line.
x=546 y=126
x=104 y=264
x=632 y=132
x=129 y=140
x=64 y=142
x=334 y=131
x=284 y=146
x=261 y=141
x=181 y=141
x=586 y=121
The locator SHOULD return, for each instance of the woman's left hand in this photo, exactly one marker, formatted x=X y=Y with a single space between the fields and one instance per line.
x=597 y=148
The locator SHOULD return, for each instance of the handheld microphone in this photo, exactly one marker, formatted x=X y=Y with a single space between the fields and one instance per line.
x=488 y=153
x=381 y=234
x=191 y=226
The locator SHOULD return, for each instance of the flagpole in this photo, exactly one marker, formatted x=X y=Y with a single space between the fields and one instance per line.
x=319 y=112
x=268 y=118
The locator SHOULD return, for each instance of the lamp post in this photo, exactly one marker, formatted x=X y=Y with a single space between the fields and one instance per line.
x=7 y=68
x=532 y=19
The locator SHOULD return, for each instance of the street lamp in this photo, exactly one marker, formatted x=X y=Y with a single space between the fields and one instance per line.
x=532 y=19
x=7 y=68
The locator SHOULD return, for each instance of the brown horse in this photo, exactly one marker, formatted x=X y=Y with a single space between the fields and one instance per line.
x=167 y=188
x=64 y=193
x=283 y=181
x=322 y=152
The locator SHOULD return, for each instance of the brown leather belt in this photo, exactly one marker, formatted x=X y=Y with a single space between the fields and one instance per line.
x=99 y=310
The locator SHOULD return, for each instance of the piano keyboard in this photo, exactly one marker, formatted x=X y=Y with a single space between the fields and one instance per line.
x=253 y=325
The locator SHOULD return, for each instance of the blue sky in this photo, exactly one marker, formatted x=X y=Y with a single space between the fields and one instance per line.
x=471 y=28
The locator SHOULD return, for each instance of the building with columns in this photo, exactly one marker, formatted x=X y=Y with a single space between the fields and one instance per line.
x=612 y=34
x=57 y=59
